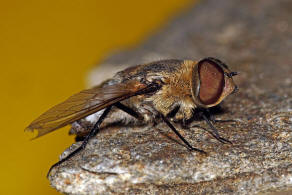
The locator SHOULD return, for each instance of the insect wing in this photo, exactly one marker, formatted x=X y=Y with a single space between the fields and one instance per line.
x=83 y=104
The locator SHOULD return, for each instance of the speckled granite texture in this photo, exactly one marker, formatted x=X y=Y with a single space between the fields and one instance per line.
x=254 y=38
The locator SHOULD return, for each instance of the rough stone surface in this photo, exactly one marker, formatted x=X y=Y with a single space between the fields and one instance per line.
x=254 y=38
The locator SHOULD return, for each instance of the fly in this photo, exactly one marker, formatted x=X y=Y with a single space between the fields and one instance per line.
x=161 y=90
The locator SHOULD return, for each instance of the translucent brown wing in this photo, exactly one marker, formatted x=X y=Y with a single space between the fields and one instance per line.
x=83 y=104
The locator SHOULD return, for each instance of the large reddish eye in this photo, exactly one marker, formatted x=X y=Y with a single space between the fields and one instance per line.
x=211 y=82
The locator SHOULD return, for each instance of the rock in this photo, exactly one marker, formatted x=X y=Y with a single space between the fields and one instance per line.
x=254 y=38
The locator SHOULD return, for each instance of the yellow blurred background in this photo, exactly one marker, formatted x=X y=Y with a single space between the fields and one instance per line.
x=46 y=50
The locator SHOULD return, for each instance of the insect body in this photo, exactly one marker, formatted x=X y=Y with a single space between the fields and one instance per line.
x=162 y=90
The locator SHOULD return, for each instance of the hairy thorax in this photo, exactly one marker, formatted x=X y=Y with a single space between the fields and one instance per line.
x=175 y=93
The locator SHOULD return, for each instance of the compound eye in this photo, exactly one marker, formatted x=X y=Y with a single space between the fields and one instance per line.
x=211 y=82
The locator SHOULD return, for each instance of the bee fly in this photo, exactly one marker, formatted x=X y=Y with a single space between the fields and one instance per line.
x=162 y=90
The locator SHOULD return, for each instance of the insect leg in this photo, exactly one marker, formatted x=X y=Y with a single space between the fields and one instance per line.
x=128 y=110
x=91 y=134
x=180 y=136
x=214 y=132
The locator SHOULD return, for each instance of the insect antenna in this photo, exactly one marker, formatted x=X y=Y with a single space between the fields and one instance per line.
x=92 y=133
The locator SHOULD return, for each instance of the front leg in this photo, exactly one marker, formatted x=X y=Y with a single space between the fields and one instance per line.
x=191 y=148
x=214 y=132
